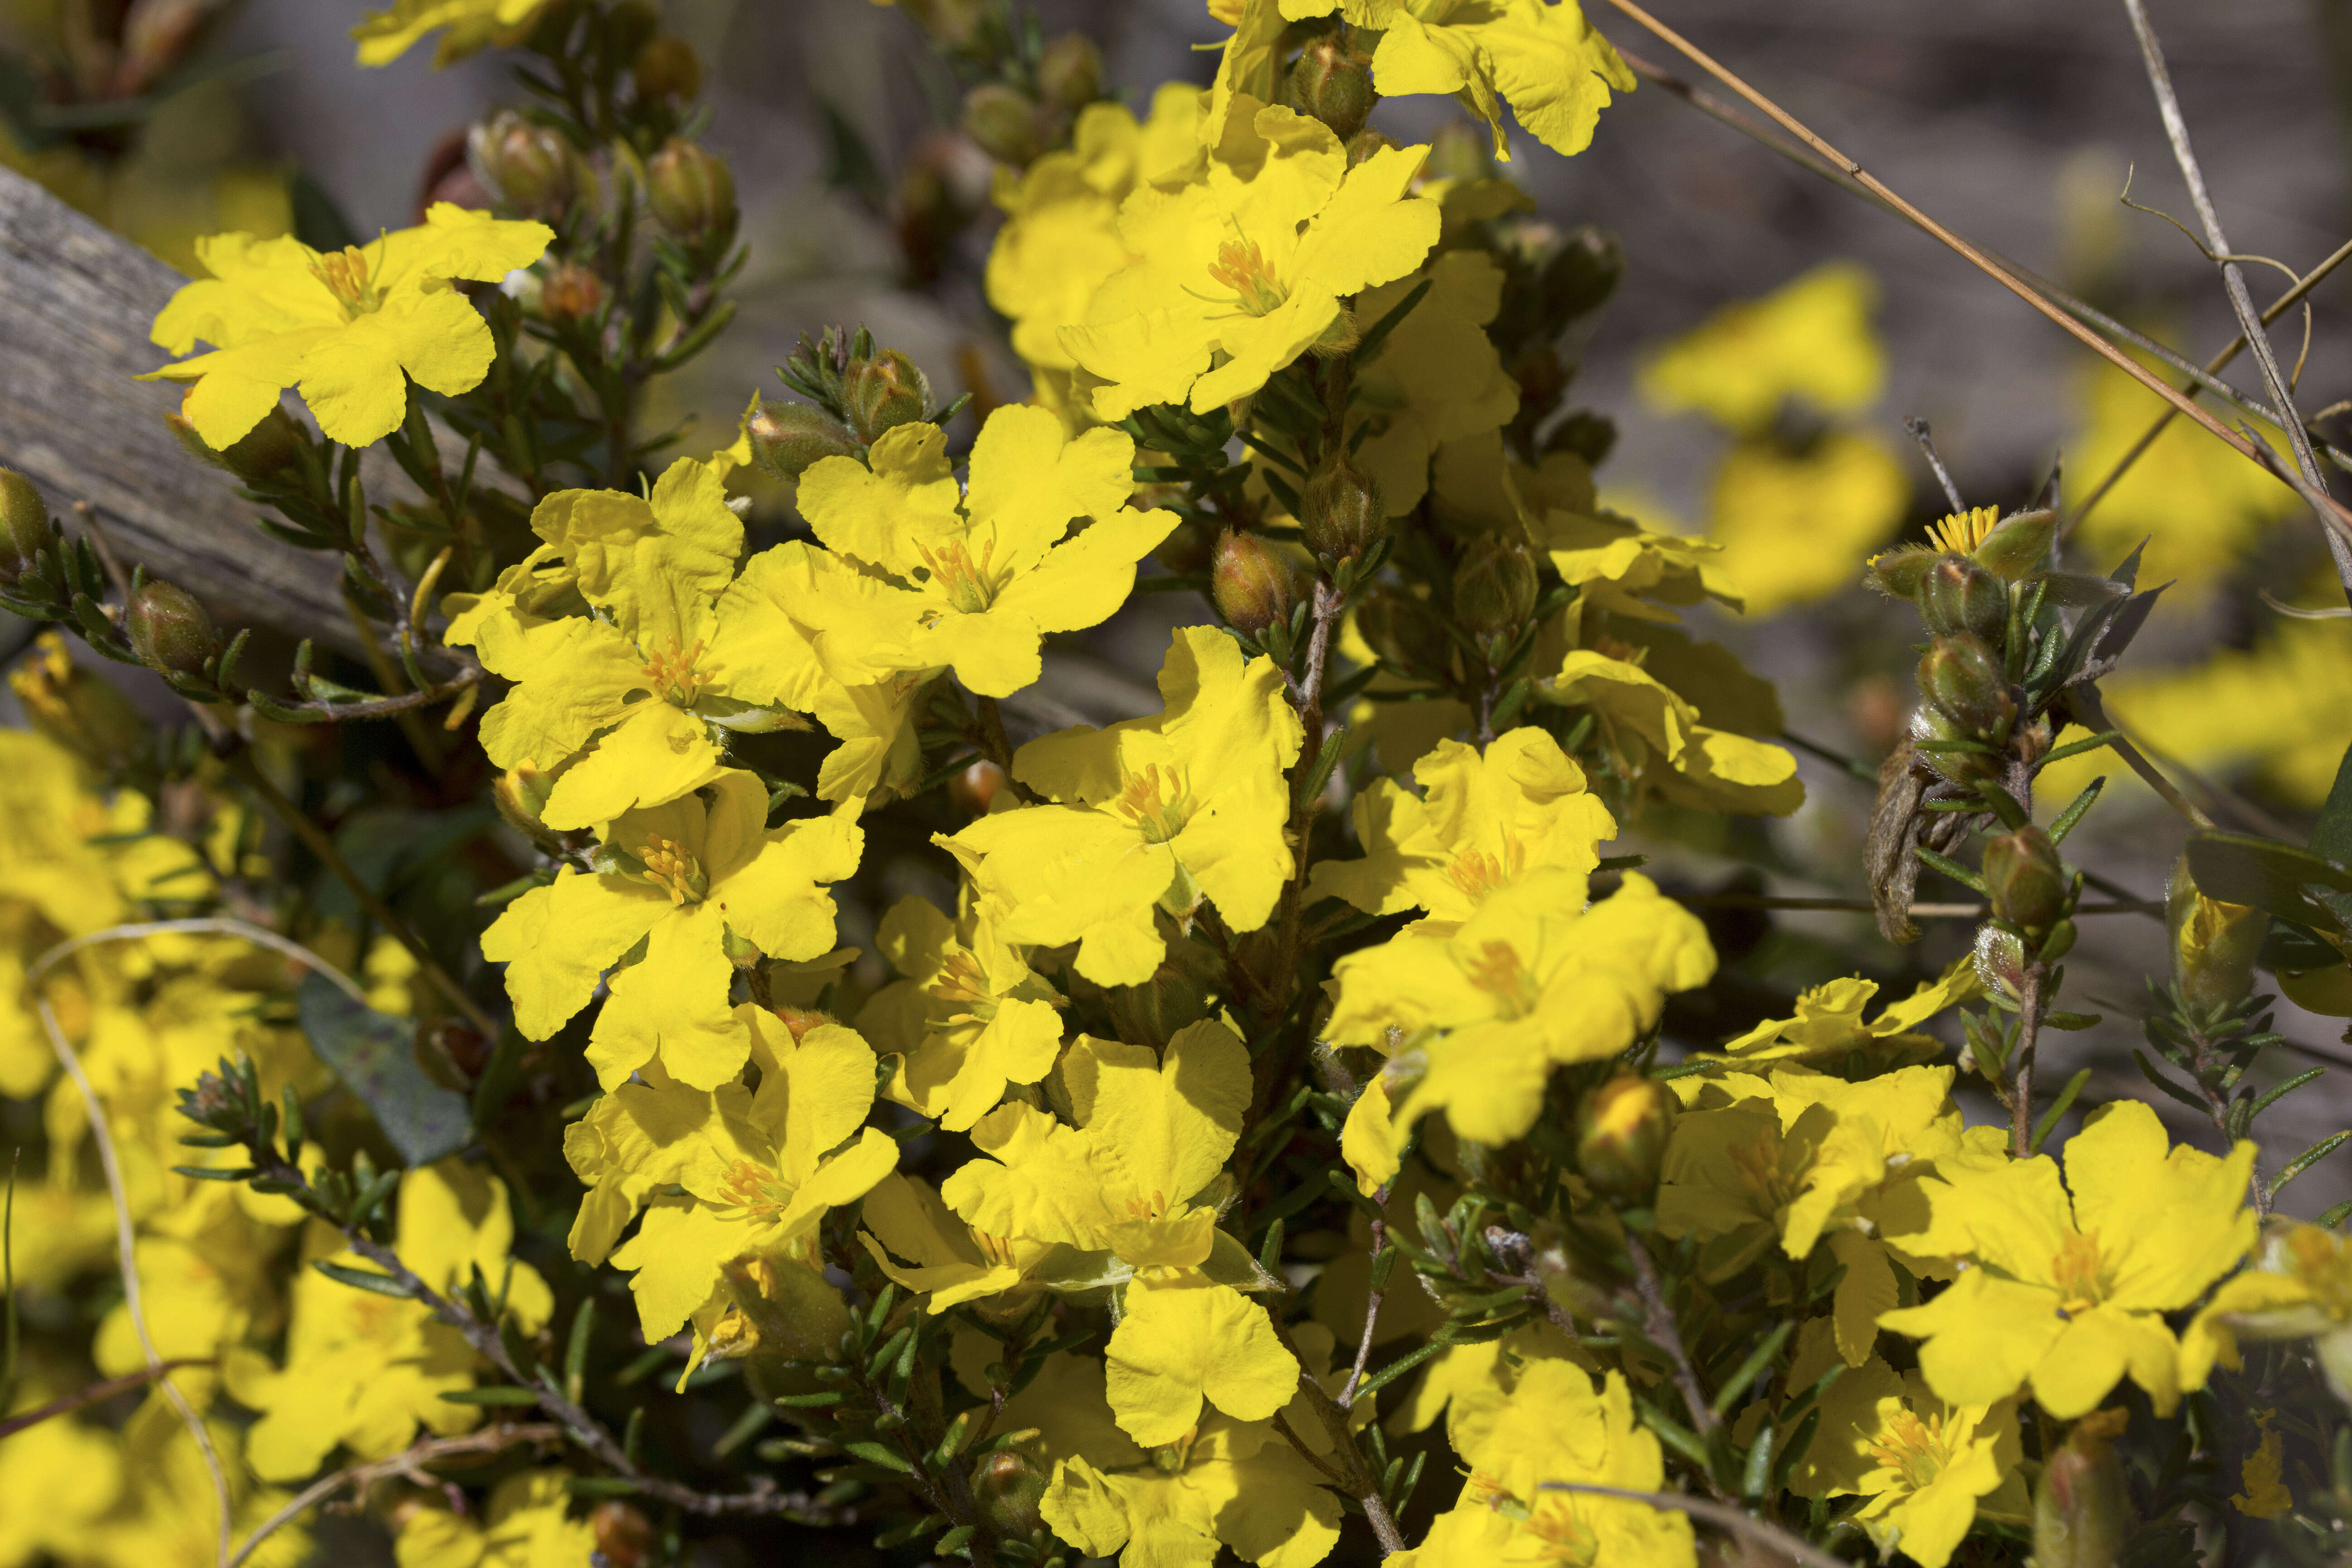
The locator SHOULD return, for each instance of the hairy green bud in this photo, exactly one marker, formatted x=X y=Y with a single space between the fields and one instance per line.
x=1333 y=82
x=531 y=168
x=25 y=529
x=789 y=438
x=1004 y=123
x=1341 y=511
x=887 y=391
x=1961 y=678
x=1620 y=1136
x=1403 y=630
x=691 y=191
x=1956 y=595
x=1253 y=586
x=1070 y=72
x=2082 y=1508
x=2028 y=884
x=1494 y=587
x=170 y=630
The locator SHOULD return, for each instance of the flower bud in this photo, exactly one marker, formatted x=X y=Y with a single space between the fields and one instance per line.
x=2027 y=883
x=80 y=711
x=25 y=528
x=624 y=1536
x=571 y=295
x=691 y=191
x=1620 y=1136
x=1341 y=511
x=631 y=23
x=667 y=67
x=1070 y=72
x=1955 y=594
x=2082 y=1509
x=531 y=168
x=2017 y=545
x=788 y=438
x=170 y=630
x=2213 y=944
x=1898 y=573
x=2000 y=960
x=1961 y=678
x=1364 y=144
x=1333 y=83
x=977 y=787
x=1008 y=1486
x=1253 y=586
x=1494 y=587
x=520 y=794
x=1002 y=122
x=1403 y=630
x=886 y=391
x=1956 y=767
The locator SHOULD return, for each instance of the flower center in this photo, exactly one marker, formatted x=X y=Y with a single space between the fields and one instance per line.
x=670 y=867
x=1964 y=530
x=345 y=274
x=966 y=584
x=1156 y=802
x=1243 y=268
x=1502 y=974
x=1477 y=873
x=2077 y=1270
x=758 y=1191
x=2319 y=1261
x=963 y=985
x=1917 y=1449
x=678 y=676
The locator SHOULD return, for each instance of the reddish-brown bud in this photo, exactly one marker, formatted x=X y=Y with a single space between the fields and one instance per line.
x=531 y=169
x=625 y=1537
x=1253 y=586
x=572 y=294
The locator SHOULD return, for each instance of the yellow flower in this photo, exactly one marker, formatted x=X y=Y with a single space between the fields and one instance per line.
x=364 y=1370
x=1925 y=1467
x=953 y=1264
x=1792 y=525
x=969 y=1018
x=987 y=574
x=684 y=879
x=1230 y=1482
x=526 y=1525
x=1437 y=377
x=1532 y=980
x=1544 y=60
x=386 y=36
x=1828 y=1028
x=2299 y=1288
x=1641 y=718
x=2283 y=708
x=2070 y=1295
x=1961 y=531
x=1060 y=239
x=1480 y=824
x=1810 y=339
x=1247 y=268
x=1623 y=568
x=75 y=1471
x=636 y=695
x=1187 y=1341
x=1150 y=813
x=759 y=1169
x=342 y=330
x=1799 y=1158
x=1557 y=1425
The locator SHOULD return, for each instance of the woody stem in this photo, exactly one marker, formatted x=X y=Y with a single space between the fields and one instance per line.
x=2028 y=1029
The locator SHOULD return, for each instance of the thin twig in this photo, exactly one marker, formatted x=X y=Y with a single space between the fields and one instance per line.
x=2091 y=712
x=1721 y=1515
x=409 y=1464
x=1977 y=256
x=1920 y=433
x=2234 y=278
x=1658 y=1326
x=97 y=1393
x=1372 y=1305
x=1921 y=911
x=2029 y=1030
x=125 y=1252
x=205 y=925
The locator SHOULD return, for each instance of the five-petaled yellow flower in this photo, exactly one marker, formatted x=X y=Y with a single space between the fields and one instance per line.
x=386 y=36
x=348 y=331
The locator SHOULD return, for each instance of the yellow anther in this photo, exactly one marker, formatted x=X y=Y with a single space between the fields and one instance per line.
x=670 y=867
x=1156 y=800
x=678 y=676
x=1243 y=268
x=346 y=275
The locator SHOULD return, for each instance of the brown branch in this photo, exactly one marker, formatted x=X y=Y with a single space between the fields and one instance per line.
x=1658 y=1326
x=1372 y=1305
x=97 y=1393
x=1722 y=1516
x=2029 y=1032
x=409 y=1464
x=2234 y=278
x=2335 y=515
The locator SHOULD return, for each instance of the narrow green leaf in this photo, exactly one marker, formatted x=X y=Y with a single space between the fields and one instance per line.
x=2058 y=1108
x=2077 y=748
x=575 y=1349
x=2075 y=810
x=1952 y=869
x=605 y=1486
x=2147 y=1071
x=873 y=1453
x=215 y=1172
x=2283 y=1091
x=363 y=1279
x=1758 y=1473
x=2308 y=1158
x=495 y=1395
x=822 y=1397
x=2330 y=1220
x=1758 y=1359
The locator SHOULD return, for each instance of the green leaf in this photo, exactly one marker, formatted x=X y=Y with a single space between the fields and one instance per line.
x=365 y=1280
x=495 y=1395
x=375 y=1055
x=2331 y=836
x=2240 y=869
x=2307 y=1158
x=9 y=1334
x=875 y=1453
x=2058 y=1108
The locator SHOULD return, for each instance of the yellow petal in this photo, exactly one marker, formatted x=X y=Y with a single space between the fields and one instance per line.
x=1178 y=1346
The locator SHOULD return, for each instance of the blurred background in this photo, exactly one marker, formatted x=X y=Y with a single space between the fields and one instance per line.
x=2018 y=122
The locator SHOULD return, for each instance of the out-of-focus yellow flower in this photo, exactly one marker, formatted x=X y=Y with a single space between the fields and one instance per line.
x=2285 y=708
x=386 y=36
x=526 y=1525
x=1827 y=1027
x=1810 y=340
x=1244 y=270
x=1437 y=377
x=2265 y=1495
x=2299 y=1288
x=347 y=330
x=1792 y=525
x=2199 y=506
x=1641 y=717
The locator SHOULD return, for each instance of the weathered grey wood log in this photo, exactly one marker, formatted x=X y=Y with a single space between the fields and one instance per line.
x=75 y=302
